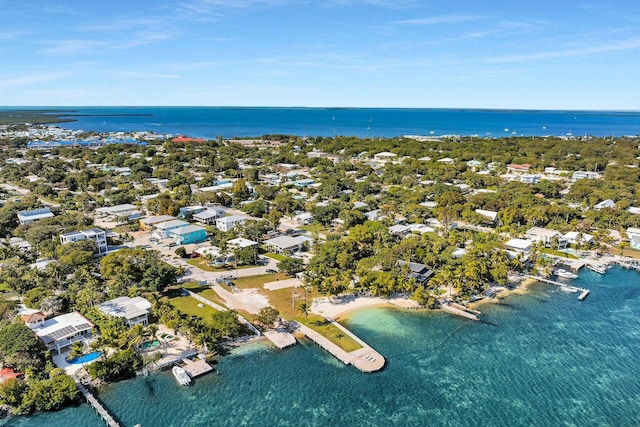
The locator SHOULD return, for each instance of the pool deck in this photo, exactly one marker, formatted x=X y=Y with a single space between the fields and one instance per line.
x=60 y=360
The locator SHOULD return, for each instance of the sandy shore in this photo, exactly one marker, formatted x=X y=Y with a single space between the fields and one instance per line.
x=336 y=308
x=520 y=289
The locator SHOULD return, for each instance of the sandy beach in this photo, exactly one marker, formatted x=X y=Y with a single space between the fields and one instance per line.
x=336 y=308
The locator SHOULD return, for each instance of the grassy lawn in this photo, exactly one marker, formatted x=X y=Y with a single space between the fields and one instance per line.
x=206 y=292
x=314 y=228
x=630 y=252
x=275 y=256
x=188 y=305
x=258 y=281
x=4 y=287
x=330 y=331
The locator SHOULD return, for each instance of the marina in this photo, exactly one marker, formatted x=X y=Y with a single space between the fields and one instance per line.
x=563 y=286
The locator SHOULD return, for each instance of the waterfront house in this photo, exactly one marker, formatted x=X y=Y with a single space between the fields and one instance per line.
x=521 y=246
x=62 y=331
x=27 y=217
x=188 y=234
x=546 y=236
x=95 y=234
x=162 y=229
x=633 y=234
x=576 y=238
x=149 y=222
x=7 y=374
x=420 y=272
x=135 y=311
x=228 y=223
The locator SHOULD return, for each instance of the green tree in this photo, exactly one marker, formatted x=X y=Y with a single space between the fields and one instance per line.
x=290 y=266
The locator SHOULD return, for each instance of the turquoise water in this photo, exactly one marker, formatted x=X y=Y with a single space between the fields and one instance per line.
x=85 y=358
x=542 y=359
x=210 y=122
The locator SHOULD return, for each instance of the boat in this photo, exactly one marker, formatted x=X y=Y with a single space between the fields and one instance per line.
x=561 y=272
x=181 y=375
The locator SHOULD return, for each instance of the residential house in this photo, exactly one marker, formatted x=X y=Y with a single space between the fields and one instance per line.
x=528 y=178
x=149 y=222
x=189 y=211
x=228 y=223
x=521 y=246
x=125 y=210
x=400 y=230
x=633 y=210
x=446 y=161
x=7 y=374
x=241 y=243
x=287 y=244
x=517 y=168
x=95 y=234
x=135 y=311
x=384 y=156
x=585 y=175
x=303 y=218
x=188 y=234
x=27 y=217
x=491 y=216
x=546 y=236
x=33 y=320
x=633 y=234
x=62 y=331
x=605 y=204
x=162 y=229
x=304 y=183
x=420 y=272
x=206 y=217
x=576 y=238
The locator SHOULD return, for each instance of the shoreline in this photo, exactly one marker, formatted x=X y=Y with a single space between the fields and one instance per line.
x=350 y=304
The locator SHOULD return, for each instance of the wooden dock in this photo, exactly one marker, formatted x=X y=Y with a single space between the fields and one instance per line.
x=195 y=368
x=281 y=339
x=563 y=286
x=95 y=404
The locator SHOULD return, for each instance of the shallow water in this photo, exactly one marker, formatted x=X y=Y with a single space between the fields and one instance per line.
x=541 y=359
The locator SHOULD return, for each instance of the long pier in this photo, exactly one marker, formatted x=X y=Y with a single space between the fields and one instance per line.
x=563 y=286
x=95 y=404
x=366 y=359
x=630 y=265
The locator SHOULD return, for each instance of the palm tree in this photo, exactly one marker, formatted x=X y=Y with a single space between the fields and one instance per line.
x=303 y=308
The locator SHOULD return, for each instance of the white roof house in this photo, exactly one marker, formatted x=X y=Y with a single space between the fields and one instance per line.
x=227 y=223
x=206 y=217
x=287 y=244
x=605 y=204
x=27 y=217
x=519 y=245
x=384 y=156
x=575 y=237
x=241 y=243
x=135 y=311
x=62 y=331
x=95 y=234
x=153 y=220
x=493 y=216
x=546 y=236
x=119 y=210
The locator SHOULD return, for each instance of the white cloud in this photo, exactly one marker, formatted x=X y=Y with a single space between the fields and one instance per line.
x=30 y=79
x=438 y=20
x=146 y=75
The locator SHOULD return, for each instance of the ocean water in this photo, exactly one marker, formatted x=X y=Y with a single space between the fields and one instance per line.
x=210 y=122
x=542 y=359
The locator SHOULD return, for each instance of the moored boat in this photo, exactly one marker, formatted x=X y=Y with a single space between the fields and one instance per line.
x=181 y=375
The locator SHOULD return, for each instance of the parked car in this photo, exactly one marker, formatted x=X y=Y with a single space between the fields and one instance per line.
x=270 y=271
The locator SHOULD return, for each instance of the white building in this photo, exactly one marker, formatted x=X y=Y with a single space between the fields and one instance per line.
x=125 y=210
x=605 y=204
x=528 y=178
x=62 y=331
x=490 y=215
x=287 y=244
x=522 y=246
x=227 y=223
x=546 y=236
x=577 y=238
x=95 y=234
x=27 y=217
x=135 y=311
x=384 y=156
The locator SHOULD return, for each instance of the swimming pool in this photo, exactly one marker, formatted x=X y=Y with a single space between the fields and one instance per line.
x=148 y=345
x=85 y=358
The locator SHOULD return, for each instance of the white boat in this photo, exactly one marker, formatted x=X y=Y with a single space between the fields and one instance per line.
x=561 y=272
x=181 y=375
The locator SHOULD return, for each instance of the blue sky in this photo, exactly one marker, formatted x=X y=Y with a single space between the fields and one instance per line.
x=344 y=53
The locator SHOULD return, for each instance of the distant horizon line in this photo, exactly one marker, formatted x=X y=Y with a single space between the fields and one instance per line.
x=7 y=107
